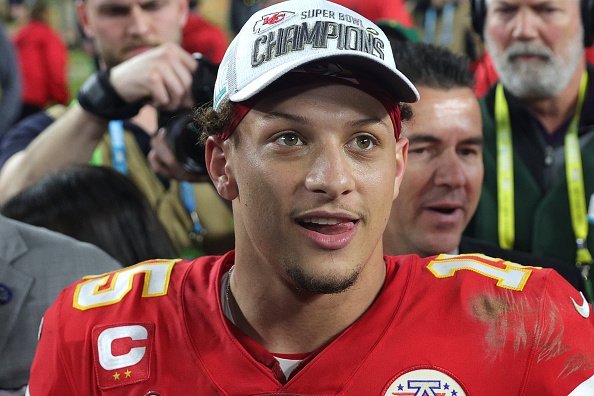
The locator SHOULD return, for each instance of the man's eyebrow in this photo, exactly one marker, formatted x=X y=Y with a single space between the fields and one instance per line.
x=288 y=116
x=368 y=121
x=477 y=140
x=302 y=119
x=427 y=138
x=422 y=138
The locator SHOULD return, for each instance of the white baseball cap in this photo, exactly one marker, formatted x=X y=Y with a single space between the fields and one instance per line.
x=286 y=35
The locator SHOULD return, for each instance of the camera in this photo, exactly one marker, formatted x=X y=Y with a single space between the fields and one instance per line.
x=182 y=136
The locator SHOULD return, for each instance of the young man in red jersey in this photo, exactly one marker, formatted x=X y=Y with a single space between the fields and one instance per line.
x=304 y=140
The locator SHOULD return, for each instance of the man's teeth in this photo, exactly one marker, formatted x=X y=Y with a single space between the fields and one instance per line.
x=322 y=221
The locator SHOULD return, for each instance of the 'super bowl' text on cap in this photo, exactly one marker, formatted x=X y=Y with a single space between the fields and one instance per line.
x=282 y=37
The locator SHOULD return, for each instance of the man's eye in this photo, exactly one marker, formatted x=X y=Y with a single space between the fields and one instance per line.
x=417 y=150
x=467 y=152
x=152 y=6
x=364 y=142
x=289 y=139
x=115 y=11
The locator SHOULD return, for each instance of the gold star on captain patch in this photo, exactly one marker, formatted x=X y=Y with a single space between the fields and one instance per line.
x=116 y=376
x=128 y=373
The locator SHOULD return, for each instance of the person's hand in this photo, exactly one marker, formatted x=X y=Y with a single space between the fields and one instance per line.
x=162 y=75
x=163 y=161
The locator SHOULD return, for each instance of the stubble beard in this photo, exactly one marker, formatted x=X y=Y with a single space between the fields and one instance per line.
x=531 y=80
x=316 y=284
x=109 y=59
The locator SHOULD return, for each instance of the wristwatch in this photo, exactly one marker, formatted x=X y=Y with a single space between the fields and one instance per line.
x=99 y=97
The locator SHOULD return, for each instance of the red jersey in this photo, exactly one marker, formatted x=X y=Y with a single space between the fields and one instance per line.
x=449 y=326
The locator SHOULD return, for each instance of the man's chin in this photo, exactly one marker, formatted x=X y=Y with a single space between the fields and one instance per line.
x=319 y=284
x=445 y=246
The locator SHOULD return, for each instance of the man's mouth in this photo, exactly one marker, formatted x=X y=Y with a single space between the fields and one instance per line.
x=445 y=211
x=528 y=56
x=327 y=225
x=328 y=232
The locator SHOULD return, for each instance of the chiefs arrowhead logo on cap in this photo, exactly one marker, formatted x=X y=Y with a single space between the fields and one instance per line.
x=122 y=354
x=271 y=20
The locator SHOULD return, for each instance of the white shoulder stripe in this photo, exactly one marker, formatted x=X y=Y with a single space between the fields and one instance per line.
x=586 y=388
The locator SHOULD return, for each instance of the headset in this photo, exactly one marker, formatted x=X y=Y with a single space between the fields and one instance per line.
x=478 y=14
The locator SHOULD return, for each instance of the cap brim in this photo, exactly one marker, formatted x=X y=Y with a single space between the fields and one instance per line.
x=395 y=83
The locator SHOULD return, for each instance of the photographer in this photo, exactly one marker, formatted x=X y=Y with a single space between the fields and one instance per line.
x=145 y=72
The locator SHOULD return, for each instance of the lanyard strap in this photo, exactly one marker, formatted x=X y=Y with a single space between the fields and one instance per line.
x=574 y=175
x=575 y=181
x=575 y=187
x=118 y=146
x=189 y=200
x=505 y=172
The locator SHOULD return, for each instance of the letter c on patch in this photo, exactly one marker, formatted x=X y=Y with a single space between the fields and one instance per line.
x=105 y=340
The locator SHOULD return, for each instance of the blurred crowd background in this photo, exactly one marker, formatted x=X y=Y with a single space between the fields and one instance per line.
x=62 y=18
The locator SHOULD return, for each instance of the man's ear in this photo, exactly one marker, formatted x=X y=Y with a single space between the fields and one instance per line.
x=219 y=168
x=184 y=12
x=401 y=161
x=83 y=19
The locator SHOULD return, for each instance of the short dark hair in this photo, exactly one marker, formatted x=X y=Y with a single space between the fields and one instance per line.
x=209 y=121
x=433 y=66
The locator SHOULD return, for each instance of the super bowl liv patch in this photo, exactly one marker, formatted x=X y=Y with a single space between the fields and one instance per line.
x=424 y=382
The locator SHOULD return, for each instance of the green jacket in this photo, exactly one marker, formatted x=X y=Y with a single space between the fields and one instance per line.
x=542 y=215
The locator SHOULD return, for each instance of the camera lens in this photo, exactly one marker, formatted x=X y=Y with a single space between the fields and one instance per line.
x=182 y=136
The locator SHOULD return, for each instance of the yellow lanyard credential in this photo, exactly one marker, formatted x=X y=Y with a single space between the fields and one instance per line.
x=505 y=172
x=573 y=171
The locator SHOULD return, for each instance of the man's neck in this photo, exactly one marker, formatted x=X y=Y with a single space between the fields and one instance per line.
x=283 y=320
x=554 y=111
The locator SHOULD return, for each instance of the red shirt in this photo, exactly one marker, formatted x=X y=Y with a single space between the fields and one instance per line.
x=43 y=59
x=452 y=325
x=199 y=35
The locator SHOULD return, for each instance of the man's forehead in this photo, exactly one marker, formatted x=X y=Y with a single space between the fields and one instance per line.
x=531 y=3
x=124 y=3
x=445 y=115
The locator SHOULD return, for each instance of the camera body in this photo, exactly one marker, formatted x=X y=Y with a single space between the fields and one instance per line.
x=182 y=136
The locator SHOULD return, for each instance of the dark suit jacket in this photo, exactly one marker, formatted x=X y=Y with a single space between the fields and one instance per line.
x=569 y=271
x=35 y=265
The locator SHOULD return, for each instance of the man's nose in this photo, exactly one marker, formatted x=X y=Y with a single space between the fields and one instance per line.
x=331 y=173
x=525 y=25
x=450 y=171
x=139 y=20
